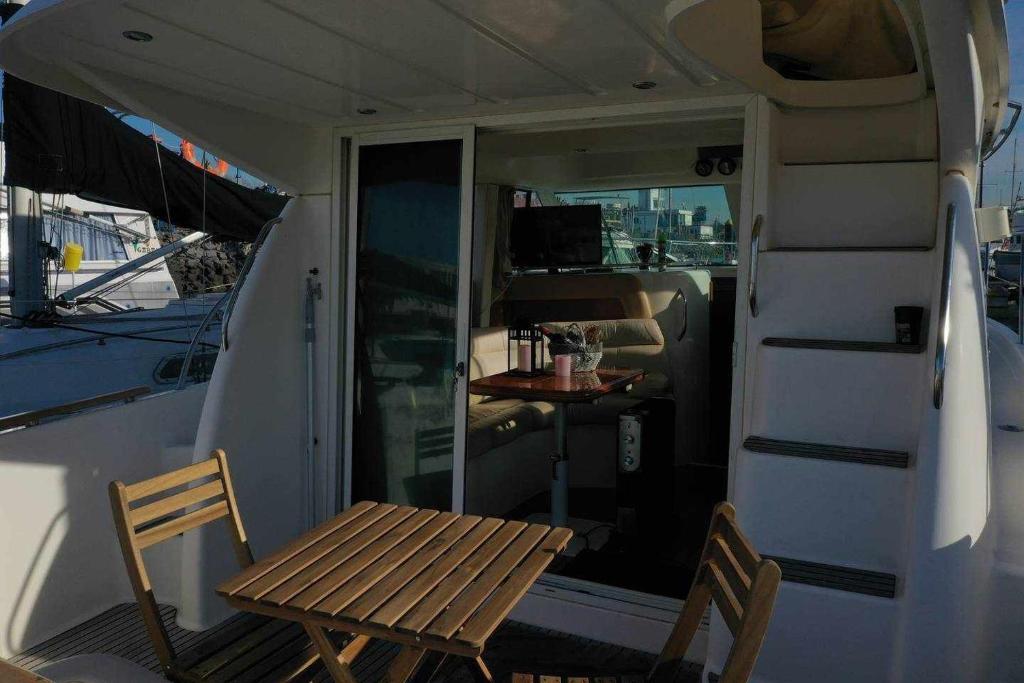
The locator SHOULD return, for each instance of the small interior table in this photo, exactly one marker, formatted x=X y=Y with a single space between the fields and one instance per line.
x=579 y=387
x=437 y=583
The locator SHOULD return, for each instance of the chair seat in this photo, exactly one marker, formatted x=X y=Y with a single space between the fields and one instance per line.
x=250 y=648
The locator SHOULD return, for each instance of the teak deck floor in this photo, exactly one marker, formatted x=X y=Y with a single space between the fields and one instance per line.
x=119 y=631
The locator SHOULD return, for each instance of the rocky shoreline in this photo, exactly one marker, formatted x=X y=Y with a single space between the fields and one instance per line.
x=208 y=266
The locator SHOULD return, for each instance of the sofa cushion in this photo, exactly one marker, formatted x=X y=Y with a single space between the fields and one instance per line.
x=501 y=421
x=625 y=332
x=488 y=355
x=630 y=343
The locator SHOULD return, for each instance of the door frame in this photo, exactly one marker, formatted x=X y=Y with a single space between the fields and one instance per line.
x=573 y=605
x=467 y=135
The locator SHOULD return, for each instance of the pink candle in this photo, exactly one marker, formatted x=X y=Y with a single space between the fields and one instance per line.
x=563 y=366
x=524 y=358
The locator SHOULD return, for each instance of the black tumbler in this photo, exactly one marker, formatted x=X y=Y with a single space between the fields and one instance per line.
x=908 y=324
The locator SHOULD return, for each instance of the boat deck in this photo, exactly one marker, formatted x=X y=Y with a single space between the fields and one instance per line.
x=119 y=631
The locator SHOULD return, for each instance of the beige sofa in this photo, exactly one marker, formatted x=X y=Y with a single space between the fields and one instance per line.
x=510 y=441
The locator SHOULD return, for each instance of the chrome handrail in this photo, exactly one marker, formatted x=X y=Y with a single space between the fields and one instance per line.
x=187 y=362
x=244 y=273
x=942 y=333
x=755 y=249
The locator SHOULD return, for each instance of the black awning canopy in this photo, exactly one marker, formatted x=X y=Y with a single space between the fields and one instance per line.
x=62 y=145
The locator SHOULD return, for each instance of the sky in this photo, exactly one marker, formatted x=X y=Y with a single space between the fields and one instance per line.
x=999 y=169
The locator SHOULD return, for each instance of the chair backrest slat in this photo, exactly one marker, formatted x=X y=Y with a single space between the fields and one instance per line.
x=735 y=576
x=737 y=542
x=161 y=517
x=742 y=585
x=728 y=604
x=180 y=525
x=179 y=501
x=170 y=480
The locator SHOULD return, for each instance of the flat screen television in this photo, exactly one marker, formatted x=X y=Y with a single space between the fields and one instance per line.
x=556 y=236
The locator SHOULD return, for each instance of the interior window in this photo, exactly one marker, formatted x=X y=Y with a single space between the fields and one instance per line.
x=524 y=198
x=695 y=223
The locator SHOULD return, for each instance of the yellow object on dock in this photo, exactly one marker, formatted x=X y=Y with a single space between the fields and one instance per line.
x=73 y=257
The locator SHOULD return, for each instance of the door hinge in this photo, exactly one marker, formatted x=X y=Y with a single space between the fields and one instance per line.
x=460 y=371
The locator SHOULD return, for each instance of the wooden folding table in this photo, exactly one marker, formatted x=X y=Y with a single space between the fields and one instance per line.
x=437 y=583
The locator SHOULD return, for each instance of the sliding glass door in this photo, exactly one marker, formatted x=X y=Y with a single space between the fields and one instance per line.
x=407 y=317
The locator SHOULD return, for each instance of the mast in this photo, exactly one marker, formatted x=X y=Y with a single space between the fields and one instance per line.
x=25 y=259
x=1013 y=177
x=26 y=288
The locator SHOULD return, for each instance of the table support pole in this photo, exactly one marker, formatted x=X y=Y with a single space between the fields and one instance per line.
x=560 y=468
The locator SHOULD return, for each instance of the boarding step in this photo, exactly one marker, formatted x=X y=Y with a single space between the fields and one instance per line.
x=820 y=451
x=839 y=294
x=842 y=345
x=836 y=577
x=840 y=513
x=868 y=399
x=890 y=205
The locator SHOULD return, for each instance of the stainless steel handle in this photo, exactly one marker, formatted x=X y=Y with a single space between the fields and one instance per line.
x=755 y=249
x=686 y=314
x=942 y=335
x=246 y=267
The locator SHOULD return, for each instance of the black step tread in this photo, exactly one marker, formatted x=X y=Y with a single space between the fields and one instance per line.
x=836 y=577
x=917 y=247
x=842 y=345
x=820 y=451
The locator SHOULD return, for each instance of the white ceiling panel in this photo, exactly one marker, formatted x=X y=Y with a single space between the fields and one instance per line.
x=322 y=61
x=436 y=43
x=605 y=43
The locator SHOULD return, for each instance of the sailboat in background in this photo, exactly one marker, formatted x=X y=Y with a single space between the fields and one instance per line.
x=91 y=309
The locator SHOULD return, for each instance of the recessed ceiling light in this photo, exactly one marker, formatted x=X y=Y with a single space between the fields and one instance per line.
x=644 y=85
x=367 y=111
x=137 y=36
x=580 y=150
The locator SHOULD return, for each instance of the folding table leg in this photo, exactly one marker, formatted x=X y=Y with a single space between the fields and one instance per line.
x=337 y=663
x=405 y=664
x=415 y=665
x=479 y=669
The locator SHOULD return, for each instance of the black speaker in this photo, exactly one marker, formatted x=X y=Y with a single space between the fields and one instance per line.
x=646 y=468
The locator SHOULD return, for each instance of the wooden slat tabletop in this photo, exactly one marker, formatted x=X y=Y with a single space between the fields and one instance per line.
x=437 y=580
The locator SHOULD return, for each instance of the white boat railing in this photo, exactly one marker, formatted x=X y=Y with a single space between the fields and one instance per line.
x=186 y=363
x=242 y=275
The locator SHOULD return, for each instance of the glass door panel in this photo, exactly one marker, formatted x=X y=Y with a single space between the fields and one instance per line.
x=409 y=318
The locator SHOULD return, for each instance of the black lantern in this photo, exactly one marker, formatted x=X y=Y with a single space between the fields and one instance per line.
x=526 y=345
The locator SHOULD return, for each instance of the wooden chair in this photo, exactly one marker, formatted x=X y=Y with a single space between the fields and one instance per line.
x=742 y=585
x=249 y=648
x=10 y=673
